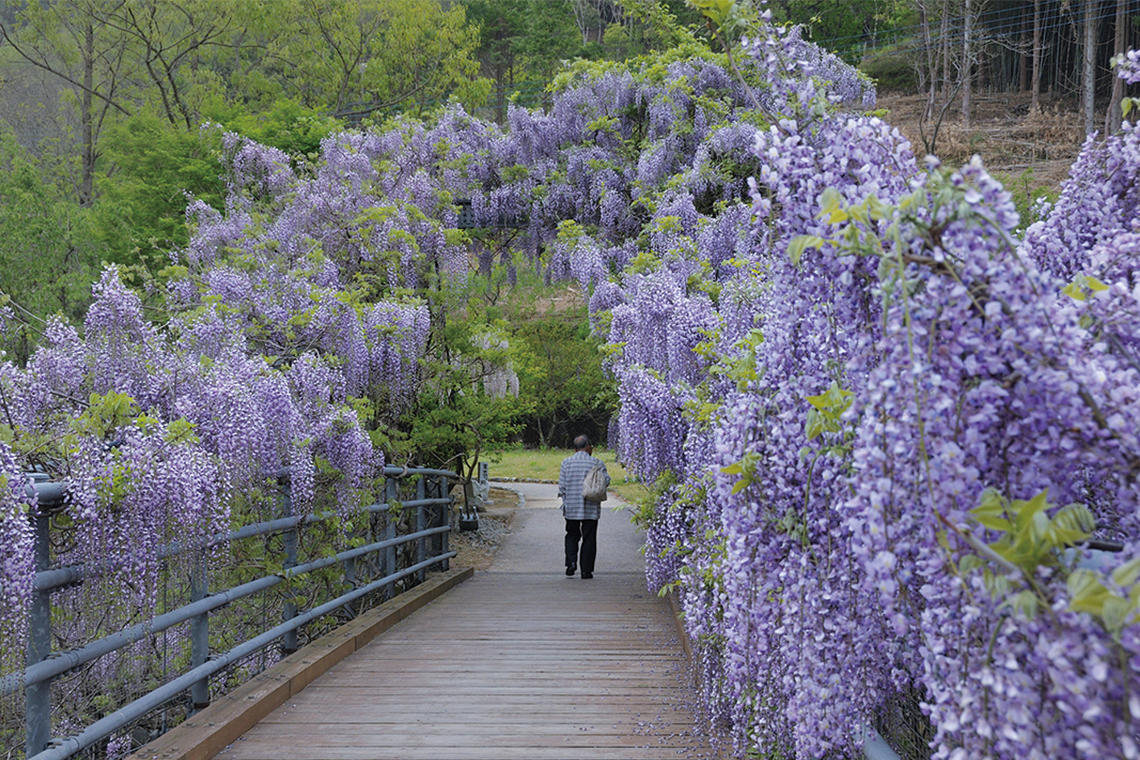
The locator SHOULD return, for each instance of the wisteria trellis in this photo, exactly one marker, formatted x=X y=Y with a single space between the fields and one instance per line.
x=828 y=356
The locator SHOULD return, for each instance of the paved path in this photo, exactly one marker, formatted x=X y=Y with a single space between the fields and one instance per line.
x=519 y=662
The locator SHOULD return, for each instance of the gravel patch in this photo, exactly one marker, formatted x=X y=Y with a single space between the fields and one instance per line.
x=477 y=548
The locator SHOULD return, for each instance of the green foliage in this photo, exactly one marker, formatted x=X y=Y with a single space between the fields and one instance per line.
x=151 y=169
x=287 y=125
x=748 y=470
x=827 y=409
x=841 y=26
x=525 y=43
x=452 y=425
x=1080 y=287
x=891 y=69
x=48 y=256
x=726 y=15
x=645 y=511
x=566 y=390
x=1027 y=192
x=1115 y=604
x=466 y=405
x=362 y=57
x=741 y=365
x=1029 y=538
x=105 y=414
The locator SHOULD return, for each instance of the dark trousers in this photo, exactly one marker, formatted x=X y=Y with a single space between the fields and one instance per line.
x=587 y=532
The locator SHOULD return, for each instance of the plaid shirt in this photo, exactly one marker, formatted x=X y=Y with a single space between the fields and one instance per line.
x=570 y=477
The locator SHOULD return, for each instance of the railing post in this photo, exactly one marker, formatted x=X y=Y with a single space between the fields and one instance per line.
x=421 y=524
x=37 y=697
x=442 y=491
x=391 y=491
x=199 y=632
x=289 y=640
x=350 y=581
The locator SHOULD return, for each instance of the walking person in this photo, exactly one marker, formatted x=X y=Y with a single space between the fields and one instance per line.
x=581 y=514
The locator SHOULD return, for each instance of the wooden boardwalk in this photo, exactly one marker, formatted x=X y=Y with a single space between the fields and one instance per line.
x=522 y=663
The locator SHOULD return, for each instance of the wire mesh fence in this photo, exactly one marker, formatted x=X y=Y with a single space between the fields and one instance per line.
x=905 y=728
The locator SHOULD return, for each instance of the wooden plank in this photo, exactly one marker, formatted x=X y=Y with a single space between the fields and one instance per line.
x=646 y=751
x=205 y=734
x=511 y=666
x=472 y=730
x=519 y=665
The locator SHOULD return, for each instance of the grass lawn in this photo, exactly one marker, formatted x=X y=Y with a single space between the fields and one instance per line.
x=542 y=464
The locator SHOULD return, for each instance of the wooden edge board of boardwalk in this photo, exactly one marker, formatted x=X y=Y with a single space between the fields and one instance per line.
x=519 y=662
x=207 y=733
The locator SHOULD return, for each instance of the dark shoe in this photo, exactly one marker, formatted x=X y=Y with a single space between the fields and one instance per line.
x=571 y=569
x=587 y=576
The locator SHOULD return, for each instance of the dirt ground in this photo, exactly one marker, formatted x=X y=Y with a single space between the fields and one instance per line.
x=1034 y=148
x=477 y=549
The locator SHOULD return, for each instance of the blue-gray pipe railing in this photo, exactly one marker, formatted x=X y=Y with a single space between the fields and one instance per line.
x=44 y=665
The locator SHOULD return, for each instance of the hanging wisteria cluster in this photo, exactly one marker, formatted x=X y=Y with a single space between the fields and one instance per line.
x=16 y=564
x=878 y=462
x=295 y=300
x=1128 y=67
x=880 y=429
x=879 y=426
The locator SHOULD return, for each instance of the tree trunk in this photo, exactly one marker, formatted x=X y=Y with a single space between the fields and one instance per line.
x=944 y=36
x=1113 y=117
x=930 y=61
x=1023 y=52
x=1036 y=85
x=86 y=117
x=1088 y=77
x=967 y=64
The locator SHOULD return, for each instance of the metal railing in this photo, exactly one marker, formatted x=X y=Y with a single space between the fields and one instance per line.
x=403 y=539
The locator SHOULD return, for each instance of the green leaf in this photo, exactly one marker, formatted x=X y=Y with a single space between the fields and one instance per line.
x=991 y=512
x=1026 y=603
x=1037 y=528
x=1086 y=592
x=800 y=243
x=999 y=586
x=970 y=563
x=717 y=11
x=836 y=399
x=1074 y=292
x=994 y=523
x=1128 y=573
x=1025 y=512
x=992 y=501
x=943 y=540
x=831 y=207
x=1115 y=613
x=1076 y=289
x=815 y=424
x=827 y=410
x=1073 y=522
